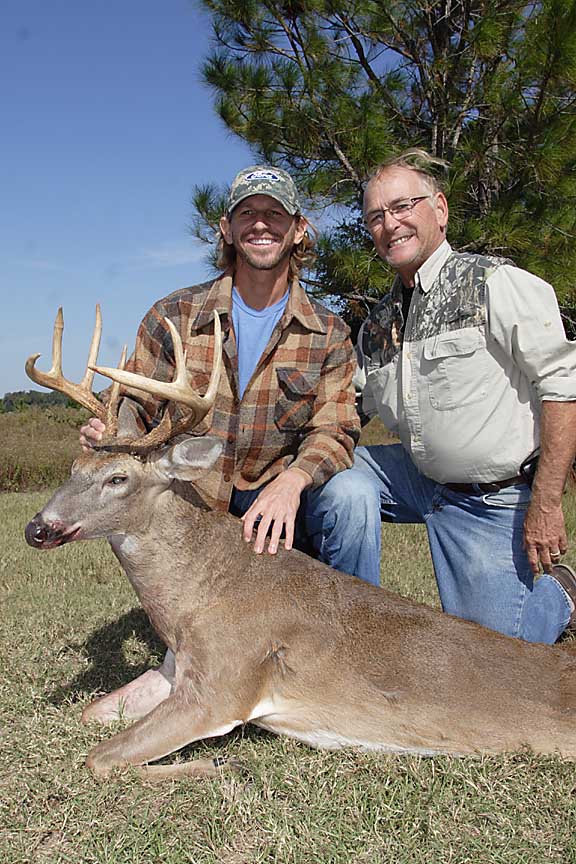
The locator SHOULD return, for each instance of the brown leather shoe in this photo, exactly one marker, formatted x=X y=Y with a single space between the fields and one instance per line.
x=566 y=576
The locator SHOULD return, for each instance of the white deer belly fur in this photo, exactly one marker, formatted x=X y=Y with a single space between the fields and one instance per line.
x=276 y=717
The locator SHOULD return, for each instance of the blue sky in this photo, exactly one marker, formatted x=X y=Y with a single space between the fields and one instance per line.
x=106 y=128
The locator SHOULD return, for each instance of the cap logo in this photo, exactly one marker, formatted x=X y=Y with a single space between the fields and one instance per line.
x=263 y=175
x=264 y=180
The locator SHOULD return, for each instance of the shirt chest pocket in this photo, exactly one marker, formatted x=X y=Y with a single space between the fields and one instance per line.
x=455 y=368
x=296 y=394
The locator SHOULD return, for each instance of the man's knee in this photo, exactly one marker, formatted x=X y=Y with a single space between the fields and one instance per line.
x=348 y=499
x=343 y=523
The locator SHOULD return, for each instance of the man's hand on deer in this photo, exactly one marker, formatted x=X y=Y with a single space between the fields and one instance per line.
x=276 y=508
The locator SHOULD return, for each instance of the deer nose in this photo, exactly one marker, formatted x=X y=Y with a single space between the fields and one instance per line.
x=37 y=532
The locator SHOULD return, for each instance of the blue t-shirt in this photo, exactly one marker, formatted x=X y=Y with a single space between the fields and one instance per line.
x=253 y=328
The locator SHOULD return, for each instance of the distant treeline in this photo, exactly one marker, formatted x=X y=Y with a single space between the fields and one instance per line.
x=26 y=398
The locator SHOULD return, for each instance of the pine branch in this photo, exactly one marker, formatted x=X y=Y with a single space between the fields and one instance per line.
x=365 y=65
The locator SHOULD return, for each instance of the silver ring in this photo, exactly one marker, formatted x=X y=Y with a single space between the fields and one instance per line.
x=555 y=556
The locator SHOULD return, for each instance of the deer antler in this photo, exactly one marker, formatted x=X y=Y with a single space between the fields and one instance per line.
x=54 y=379
x=177 y=390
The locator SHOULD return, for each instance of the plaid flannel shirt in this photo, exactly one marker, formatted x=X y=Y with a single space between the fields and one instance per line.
x=298 y=408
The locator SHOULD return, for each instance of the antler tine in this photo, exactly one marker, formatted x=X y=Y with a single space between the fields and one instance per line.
x=114 y=400
x=56 y=368
x=54 y=379
x=212 y=390
x=93 y=352
x=188 y=396
x=179 y=389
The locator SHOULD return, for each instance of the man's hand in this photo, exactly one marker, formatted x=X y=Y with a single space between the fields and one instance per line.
x=91 y=433
x=544 y=534
x=544 y=531
x=277 y=504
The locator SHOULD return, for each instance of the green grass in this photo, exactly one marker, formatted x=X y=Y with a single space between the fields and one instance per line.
x=70 y=627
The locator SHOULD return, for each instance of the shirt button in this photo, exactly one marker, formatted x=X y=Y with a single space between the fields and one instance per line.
x=230 y=439
x=226 y=478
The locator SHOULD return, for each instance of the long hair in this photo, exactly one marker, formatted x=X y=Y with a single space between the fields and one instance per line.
x=303 y=253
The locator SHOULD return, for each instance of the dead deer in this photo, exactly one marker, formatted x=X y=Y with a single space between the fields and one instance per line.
x=283 y=641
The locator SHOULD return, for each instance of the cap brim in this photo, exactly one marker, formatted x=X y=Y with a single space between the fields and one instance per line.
x=291 y=211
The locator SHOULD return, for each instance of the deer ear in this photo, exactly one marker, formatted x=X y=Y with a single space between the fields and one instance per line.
x=189 y=458
x=128 y=421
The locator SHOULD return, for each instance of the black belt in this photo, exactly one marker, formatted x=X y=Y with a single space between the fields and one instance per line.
x=482 y=488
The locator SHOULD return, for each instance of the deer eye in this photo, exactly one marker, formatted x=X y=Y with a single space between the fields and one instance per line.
x=117 y=479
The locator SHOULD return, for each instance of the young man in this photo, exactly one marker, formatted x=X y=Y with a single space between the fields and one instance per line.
x=285 y=409
x=467 y=361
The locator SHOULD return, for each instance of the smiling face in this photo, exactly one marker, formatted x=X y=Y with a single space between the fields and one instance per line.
x=405 y=244
x=262 y=232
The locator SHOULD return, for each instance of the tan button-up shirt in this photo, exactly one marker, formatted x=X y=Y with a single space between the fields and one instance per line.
x=298 y=408
x=466 y=402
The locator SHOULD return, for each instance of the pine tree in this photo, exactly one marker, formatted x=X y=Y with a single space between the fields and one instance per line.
x=330 y=88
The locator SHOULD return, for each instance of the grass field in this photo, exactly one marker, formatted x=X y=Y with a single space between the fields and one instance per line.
x=70 y=627
x=38 y=447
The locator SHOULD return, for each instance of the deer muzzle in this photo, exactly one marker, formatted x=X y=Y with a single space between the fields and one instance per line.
x=47 y=535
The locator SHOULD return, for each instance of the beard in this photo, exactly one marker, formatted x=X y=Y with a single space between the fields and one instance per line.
x=267 y=258
x=259 y=262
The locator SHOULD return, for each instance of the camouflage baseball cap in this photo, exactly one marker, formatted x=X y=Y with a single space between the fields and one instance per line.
x=264 y=180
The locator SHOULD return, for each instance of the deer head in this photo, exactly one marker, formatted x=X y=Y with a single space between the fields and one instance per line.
x=112 y=489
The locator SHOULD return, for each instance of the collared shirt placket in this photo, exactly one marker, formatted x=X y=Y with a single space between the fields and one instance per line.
x=230 y=445
x=410 y=396
x=409 y=380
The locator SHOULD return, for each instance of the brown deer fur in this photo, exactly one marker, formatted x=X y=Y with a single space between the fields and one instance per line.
x=291 y=645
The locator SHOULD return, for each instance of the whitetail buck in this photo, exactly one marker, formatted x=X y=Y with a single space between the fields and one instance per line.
x=284 y=641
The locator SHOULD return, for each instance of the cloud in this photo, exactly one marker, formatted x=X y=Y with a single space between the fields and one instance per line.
x=185 y=253
x=172 y=254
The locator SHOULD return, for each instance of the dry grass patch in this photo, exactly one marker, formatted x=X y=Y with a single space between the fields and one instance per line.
x=38 y=447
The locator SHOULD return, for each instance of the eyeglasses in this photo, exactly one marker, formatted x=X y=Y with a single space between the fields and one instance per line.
x=401 y=210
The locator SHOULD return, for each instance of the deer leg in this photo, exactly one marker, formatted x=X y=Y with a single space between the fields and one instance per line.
x=177 y=721
x=135 y=699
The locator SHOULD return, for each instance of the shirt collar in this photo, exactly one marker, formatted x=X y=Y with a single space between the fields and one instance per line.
x=219 y=299
x=428 y=272
x=299 y=306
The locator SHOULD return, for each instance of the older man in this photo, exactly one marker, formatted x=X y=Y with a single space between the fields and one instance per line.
x=285 y=408
x=466 y=359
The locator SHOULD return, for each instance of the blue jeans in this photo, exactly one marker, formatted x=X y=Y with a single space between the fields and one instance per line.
x=480 y=565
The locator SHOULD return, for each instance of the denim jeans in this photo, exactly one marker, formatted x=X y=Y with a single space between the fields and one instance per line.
x=481 y=569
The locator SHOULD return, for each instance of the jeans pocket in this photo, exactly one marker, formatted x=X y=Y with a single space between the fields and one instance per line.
x=510 y=498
